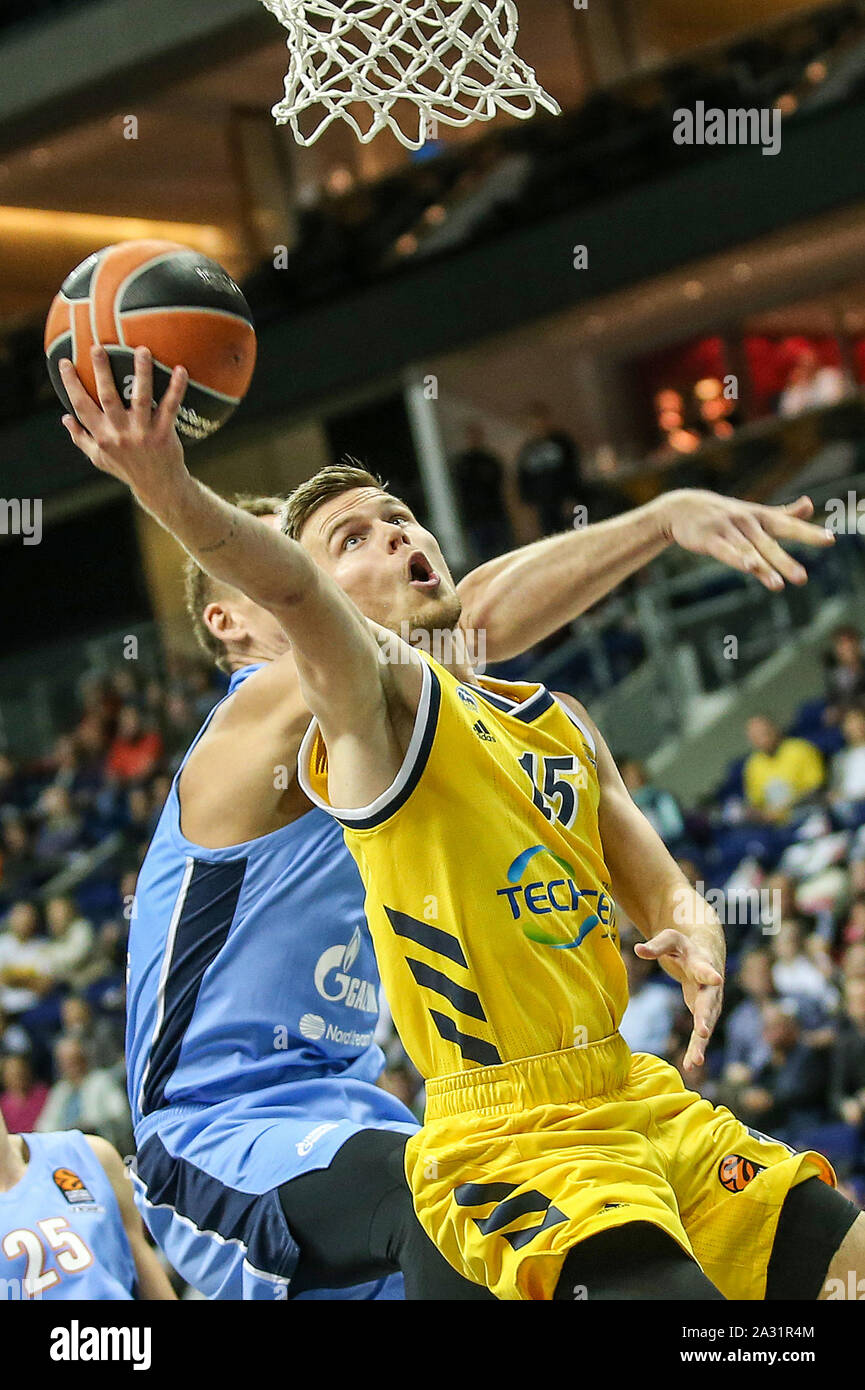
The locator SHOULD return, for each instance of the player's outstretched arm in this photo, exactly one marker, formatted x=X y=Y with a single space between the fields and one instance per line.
x=150 y=1277
x=682 y=931
x=522 y=597
x=334 y=646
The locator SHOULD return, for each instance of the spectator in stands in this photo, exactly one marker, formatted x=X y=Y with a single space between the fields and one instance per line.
x=853 y=963
x=674 y=434
x=810 y=386
x=137 y=827
x=11 y=789
x=856 y=861
x=847 y=1074
x=19 y=871
x=847 y=773
x=844 y=666
x=402 y=1081
x=24 y=977
x=659 y=807
x=135 y=751
x=719 y=416
x=648 y=1019
x=548 y=474
x=479 y=479
x=746 y=1049
x=854 y=927
x=202 y=691
x=60 y=831
x=123 y=687
x=781 y=772
x=160 y=789
x=22 y=1099
x=788 y=1090
x=96 y=1035
x=179 y=727
x=85 y=1097
x=794 y=973
x=13 y=1038
x=70 y=946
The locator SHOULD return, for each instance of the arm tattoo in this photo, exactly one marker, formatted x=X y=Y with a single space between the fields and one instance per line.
x=232 y=532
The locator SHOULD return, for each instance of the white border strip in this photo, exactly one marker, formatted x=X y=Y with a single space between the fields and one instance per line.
x=398 y=784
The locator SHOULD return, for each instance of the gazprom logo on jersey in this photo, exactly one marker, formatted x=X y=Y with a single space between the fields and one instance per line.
x=543 y=896
x=334 y=981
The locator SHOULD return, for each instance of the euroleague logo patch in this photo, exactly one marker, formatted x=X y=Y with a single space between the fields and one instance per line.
x=735 y=1172
x=71 y=1186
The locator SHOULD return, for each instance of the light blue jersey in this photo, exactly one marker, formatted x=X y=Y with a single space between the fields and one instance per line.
x=61 y=1232
x=252 y=1004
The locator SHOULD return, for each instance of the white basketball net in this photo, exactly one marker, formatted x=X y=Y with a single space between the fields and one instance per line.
x=453 y=60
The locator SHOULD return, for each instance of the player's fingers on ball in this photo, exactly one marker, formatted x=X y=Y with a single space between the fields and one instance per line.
x=142 y=387
x=111 y=403
x=82 y=403
x=80 y=437
x=171 y=401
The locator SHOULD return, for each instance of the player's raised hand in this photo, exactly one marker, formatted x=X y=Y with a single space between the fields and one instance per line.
x=138 y=445
x=702 y=984
x=747 y=536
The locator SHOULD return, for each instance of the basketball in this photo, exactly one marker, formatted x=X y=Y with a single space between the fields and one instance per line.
x=158 y=294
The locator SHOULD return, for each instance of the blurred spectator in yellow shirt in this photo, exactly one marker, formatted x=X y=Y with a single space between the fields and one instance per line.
x=780 y=772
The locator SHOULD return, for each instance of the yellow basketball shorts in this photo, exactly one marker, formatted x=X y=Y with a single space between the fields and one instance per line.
x=518 y=1163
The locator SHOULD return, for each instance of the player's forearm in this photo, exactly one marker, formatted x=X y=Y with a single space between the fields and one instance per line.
x=654 y=892
x=153 y=1283
x=681 y=907
x=520 y=598
x=232 y=546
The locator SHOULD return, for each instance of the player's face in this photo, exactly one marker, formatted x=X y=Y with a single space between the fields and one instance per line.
x=377 y=551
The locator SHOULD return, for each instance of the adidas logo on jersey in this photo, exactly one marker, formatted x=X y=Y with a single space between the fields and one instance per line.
x=483 y=732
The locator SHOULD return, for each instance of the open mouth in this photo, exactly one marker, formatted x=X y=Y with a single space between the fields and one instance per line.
x=420 y=573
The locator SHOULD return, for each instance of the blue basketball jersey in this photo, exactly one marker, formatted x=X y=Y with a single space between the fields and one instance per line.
x=251 y=1007
x=61 y=1232
x=249 y=967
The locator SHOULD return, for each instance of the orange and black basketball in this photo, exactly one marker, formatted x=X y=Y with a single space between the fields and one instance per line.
x=166 y=297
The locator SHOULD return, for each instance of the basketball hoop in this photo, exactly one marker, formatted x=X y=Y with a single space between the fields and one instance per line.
x=453 y=61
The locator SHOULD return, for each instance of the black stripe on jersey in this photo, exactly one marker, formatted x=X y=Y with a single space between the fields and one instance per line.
x=511 y=1209
x=425 y=934
x=463 y=999
x=497 y=701
x=211 y=1208
x=517 y=1239
x=202 y=928
x=537 y=705
x=508 y=1210
x=482 y=1194
x=472 y=1049
x=417 y=771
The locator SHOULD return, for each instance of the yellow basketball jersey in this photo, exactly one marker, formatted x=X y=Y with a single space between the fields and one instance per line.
x=487 y=895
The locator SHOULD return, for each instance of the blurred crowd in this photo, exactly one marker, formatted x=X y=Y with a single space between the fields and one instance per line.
x=779 y=850
x=74 y=827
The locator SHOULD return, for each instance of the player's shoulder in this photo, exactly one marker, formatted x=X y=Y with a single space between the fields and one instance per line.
x=580 y=716
x=106 y=1154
